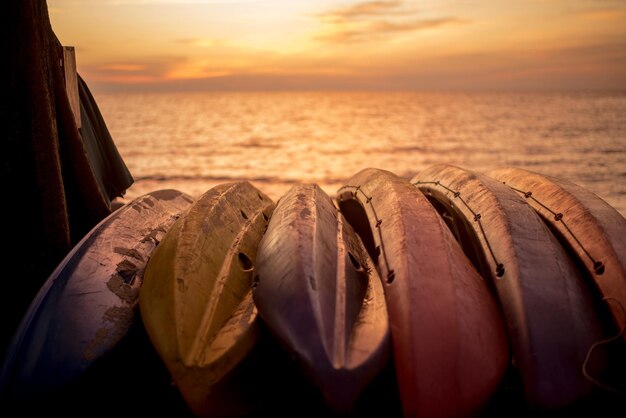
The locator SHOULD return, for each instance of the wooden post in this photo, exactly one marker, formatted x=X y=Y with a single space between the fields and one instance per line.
x=71 y=81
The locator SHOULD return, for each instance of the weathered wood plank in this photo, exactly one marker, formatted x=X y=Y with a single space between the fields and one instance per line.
x=71 y=82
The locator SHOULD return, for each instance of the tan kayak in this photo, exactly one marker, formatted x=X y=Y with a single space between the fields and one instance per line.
x=590 y=228
x=547 y=307
x=449 y=341
x=196 y=301
x=319 y=293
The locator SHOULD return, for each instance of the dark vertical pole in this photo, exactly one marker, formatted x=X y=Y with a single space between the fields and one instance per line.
x=50 y=197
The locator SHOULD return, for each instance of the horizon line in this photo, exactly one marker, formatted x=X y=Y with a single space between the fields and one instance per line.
x=167 y=88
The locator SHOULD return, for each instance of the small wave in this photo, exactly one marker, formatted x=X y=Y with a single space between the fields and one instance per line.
x=209 y=178
x=258 y=142
x=523 y=163
x=401 y=149
x=195 y=177
x=253 y=144
x=612 y=151
x=537 y=163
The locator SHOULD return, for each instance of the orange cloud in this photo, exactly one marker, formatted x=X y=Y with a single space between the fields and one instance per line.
x=175 y=2
x=377 y=44
x=144 y=70
x=186 y=41
x=199 y=42
x=369 y=8
x=372 y=20
x=606 y=14
x=124 y=67
x=374 y=30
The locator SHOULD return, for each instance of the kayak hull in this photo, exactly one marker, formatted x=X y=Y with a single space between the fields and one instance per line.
x=449 y=343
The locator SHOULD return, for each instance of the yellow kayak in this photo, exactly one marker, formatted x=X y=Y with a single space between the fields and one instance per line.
x=196 y=301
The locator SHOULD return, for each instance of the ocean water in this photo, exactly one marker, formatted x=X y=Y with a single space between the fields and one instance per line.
x=193 y=141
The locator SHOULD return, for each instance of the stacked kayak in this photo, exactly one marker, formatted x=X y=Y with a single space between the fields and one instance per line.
x=451 y=294
x=546 y=306
x=449 y=342
x=88 y=306
x=319 y=293
x=589 y=228
x=196 y=301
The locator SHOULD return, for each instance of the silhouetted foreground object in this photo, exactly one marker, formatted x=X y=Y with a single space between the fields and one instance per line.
x=53 y=194
x=88 y=306
x=111 y=173
x=320 y=295
x=449 y=341
x=547 y=307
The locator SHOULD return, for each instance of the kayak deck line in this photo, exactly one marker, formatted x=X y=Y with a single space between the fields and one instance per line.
x=598 y=265
x=379 y=250
x=477 y=218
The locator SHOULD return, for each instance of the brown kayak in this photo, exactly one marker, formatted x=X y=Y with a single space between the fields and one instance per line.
x=196 y=301
x=448 y=337
x=319 y=293
x=586 y=224
x=548 y=310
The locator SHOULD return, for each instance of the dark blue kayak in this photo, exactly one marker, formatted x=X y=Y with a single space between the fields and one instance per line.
x=88 y=306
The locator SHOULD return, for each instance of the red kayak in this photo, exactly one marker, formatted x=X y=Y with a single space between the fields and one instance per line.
x=449 y=342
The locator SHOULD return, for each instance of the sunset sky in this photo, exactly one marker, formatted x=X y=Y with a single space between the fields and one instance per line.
x=345 y=44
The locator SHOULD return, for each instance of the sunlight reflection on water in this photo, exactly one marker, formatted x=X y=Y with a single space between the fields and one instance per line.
x=193 y=141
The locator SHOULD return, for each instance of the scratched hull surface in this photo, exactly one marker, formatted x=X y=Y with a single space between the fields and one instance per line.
x=590 y=227
x=549 y=313
x=449 y=341
x=196 y=302
x=319 y=293
x=88 y=305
